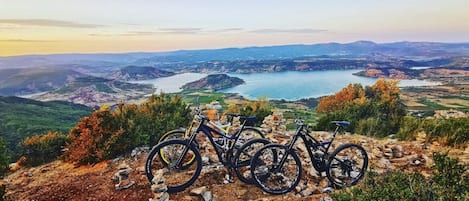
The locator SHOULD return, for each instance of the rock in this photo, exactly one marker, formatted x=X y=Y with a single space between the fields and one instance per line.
x=162 y=197
x=140 y=169
x=159 y=188
x=207 y=196
x=301 y=186
x=326 y=199
x=198 y=191
x=205 y=160
x=323 y=183
x=384 y=163
x=27 y=174
x=306 y=192
x=328 y=190
x=121 y=176
x=397 y=151
x=203 y=192
x=121 y=187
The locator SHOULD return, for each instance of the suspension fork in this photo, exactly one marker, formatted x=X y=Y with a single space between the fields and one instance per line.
x=186 y=148
x=287 y=152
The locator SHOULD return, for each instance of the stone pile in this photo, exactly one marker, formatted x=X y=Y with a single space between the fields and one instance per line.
x=121 y=177
x=158 y=187
x=274 y=125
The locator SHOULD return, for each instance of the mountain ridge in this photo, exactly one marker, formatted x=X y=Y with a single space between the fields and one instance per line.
x=357 y=48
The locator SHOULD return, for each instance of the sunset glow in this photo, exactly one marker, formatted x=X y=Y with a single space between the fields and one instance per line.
x=52 y=26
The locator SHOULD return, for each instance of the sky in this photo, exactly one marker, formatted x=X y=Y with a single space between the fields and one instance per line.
x=98 y=26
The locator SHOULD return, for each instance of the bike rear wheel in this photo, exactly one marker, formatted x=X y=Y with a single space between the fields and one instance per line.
x=347 y=165
x=173 y=134
x=271 y=173
x=242 y=160
x=164 y=156
x=247 y=134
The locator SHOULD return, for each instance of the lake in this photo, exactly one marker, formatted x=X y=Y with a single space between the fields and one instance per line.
x=290 y=85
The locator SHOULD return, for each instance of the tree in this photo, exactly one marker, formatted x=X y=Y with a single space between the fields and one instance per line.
x=375 y=110
x=4 y=157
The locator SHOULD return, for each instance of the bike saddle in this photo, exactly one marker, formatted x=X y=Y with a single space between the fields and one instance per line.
x=341 y=123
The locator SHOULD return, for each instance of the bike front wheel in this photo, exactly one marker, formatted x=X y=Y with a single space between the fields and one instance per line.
x=347 y=165
x=177 y=163
x=242 y=160
x=276 y=169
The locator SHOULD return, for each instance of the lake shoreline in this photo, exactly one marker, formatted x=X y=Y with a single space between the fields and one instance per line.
x=287 y=85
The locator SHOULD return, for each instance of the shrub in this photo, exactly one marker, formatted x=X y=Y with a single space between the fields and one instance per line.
x=450 y=178
x=453 y=131
x=374 y=110
x=390 y=186
x=409 y=127
x=40 y=149
x=260 y=109
x=4 y=157
x=106 y=134
x=450 y=182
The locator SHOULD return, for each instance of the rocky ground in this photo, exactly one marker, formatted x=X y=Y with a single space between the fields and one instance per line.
x=64 y=181
x=124 y=178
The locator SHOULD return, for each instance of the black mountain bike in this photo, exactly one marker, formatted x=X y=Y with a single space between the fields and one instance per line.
x=182 y=159
x=276 y=168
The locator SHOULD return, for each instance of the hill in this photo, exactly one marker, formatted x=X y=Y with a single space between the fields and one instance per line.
x=132 y=73
x=214 y=82
x=358 y=49
x=22 y=117
x=95 y=91
x=34 y=80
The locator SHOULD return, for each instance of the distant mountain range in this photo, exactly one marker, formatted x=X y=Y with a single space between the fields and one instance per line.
x=132 y=73
x=34 y=80
x=355 y=49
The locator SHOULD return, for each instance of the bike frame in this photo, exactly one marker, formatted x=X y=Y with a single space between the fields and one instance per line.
x=310 y=142
x=207 y=130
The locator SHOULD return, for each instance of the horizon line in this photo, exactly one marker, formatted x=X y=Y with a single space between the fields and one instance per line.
x=232 y=47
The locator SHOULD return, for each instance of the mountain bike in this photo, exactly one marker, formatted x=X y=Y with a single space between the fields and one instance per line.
x=276 y=168
x=182 y=133
x=181 y=158
x=247 y=132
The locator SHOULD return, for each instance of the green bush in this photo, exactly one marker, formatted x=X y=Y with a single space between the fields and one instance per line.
x=409 y=128
x=450 y=178
x=451 y=131
x=450 y=182
x=40 y=149
x=392 y=186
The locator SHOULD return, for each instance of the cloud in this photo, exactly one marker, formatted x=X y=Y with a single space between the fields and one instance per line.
x=26 y=41
x=294 y=31
x=180 y=30
x=47 y=23
x=184 y=30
